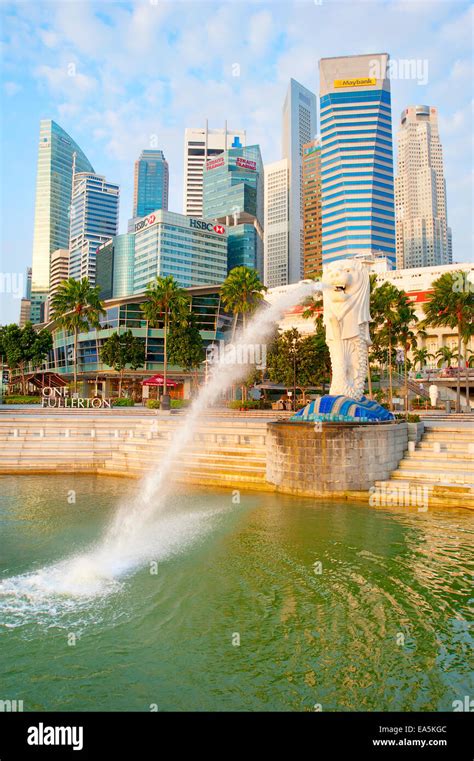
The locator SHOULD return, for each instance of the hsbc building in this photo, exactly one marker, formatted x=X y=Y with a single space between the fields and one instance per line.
x=192 y=250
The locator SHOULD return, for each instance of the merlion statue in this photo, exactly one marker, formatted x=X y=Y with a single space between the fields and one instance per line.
x=346 y=317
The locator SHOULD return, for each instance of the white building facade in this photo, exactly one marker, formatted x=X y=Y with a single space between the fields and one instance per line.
x=423 y=236
x=276 y=224
x=201 y=144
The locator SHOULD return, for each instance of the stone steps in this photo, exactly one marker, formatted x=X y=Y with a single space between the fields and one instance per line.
x=437 y=462
x=438 y=458
x=447 y=447
x=434 y=476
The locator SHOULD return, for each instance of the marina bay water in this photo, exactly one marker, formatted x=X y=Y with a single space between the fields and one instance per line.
x=132 y=534
x=273 y=603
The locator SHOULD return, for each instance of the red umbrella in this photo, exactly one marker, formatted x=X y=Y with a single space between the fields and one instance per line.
x=158 y=380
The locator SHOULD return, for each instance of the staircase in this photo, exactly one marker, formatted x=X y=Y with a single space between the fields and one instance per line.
x=442 y=462
x=223 y=452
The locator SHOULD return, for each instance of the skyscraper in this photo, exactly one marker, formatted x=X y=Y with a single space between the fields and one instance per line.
x=151 y=183
x=193 y=251
x=423 y=237
x=312 y=222
x=94 y=219
x=59 y=269
x=115 y=265
x=199 y=146
x=276 y=224
x=53 y=197
x=298 y=128
x=233 y=196
x=356 y=157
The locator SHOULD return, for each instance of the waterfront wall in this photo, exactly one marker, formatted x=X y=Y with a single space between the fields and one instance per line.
x=332 y=459
x=226 y=452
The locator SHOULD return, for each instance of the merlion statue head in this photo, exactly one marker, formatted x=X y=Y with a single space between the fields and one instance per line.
x=346 y=298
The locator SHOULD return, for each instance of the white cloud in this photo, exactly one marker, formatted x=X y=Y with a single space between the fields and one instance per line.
x=12 y=88
x=66 y=80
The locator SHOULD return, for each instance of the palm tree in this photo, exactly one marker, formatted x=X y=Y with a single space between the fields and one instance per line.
x=76 y=306
x=165 y=301
x=241 y=293
x=406 y=336
x=385 y=304
x=452 y=307
x=446 y=354
x=421 y=356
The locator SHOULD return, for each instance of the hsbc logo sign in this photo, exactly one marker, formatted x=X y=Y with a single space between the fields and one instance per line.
x=145 y=222
x=200 y=224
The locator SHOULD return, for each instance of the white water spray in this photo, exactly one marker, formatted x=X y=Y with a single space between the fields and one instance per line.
x=143 y=529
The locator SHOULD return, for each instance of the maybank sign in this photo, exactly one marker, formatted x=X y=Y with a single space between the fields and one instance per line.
x=363 y=82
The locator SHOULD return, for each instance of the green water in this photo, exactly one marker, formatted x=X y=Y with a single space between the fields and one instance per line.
x=382 y=627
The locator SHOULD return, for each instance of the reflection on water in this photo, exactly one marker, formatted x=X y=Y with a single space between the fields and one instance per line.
x=336 y=604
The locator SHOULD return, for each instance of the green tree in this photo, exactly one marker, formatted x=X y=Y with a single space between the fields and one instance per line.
x=122 y=350
x=76 y=306
x=407 y=337
x=452 y=306
x=298 y=361
x=421 y=356
x=446 y=355
x=241 y=293
x=165 y=303
x=386 y=301
x=21 y=347
x=185 y=347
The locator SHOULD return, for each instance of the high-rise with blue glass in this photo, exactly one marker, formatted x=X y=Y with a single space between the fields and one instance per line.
x=151 y=183
x=94 y=220
x=298 y=128
x=56 y=153
x=357 y=189
x=233 y=190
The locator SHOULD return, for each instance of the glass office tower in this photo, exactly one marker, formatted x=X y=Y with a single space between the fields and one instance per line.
x=193 y=251
x=94 y=220
x=233 y=196
x=56 y=152
x=151 y=183
x=298 y=128
x=356 y=157
x=115 y=267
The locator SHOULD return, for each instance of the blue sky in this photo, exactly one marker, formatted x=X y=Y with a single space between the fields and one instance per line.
x=121 y=76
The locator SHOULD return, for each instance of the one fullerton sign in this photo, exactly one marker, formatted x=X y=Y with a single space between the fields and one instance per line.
x=59 y=397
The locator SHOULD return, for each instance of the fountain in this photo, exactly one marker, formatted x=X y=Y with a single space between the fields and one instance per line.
x=131 y=538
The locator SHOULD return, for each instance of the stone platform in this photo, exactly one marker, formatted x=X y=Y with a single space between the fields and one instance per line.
x=332 y=459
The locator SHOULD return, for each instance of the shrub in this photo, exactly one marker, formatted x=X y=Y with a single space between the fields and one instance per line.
x=123 y=402
x=409 y=418
x=153 y=404
x=177 y=404
x=22 y=400
x=249 y=404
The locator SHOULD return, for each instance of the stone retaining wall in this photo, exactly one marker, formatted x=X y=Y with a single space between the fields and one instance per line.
x=335 y=459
